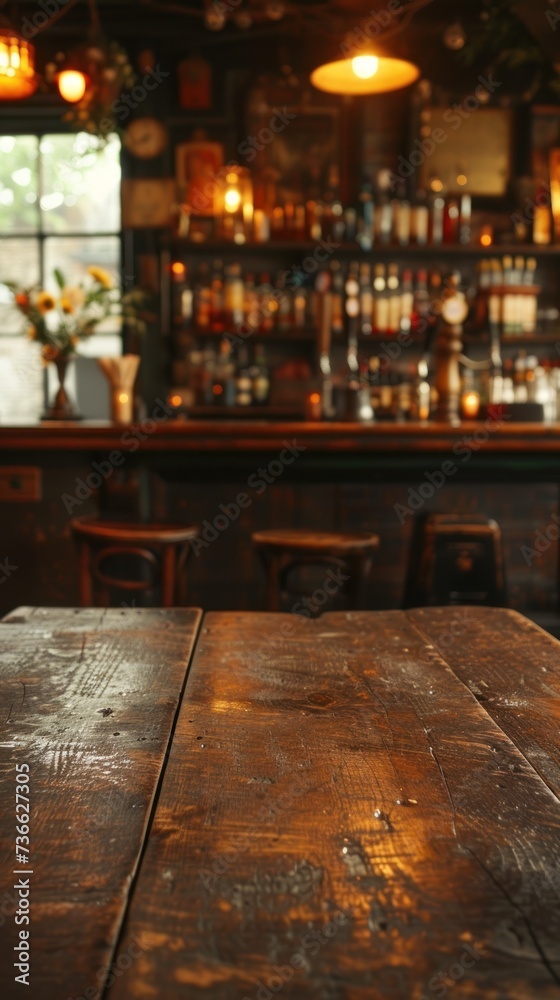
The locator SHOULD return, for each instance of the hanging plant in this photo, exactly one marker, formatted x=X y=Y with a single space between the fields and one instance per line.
x=506 y=46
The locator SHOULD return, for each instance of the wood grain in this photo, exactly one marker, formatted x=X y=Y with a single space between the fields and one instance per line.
x=87 y=699
x=340 y=770
x=270 y=435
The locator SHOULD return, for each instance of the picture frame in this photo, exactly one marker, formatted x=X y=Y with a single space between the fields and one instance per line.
x=196 y=164
x=478 y=149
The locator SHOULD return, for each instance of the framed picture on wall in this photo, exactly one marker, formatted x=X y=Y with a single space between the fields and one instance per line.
x=197 y=163
x=474 y=157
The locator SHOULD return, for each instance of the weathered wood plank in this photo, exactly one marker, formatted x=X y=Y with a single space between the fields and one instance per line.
x=512 y=667
x=87 y=700
x=337 y=770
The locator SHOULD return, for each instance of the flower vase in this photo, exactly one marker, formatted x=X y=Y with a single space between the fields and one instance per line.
x=62 y=407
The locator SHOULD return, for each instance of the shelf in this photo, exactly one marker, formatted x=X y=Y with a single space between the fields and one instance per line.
x=353 y=250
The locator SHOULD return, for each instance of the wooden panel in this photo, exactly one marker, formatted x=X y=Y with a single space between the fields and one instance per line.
x=88 y=701
x=341 y=819
x=19 y=483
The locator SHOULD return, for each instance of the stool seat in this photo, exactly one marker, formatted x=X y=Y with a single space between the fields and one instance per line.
x=455 y=559
x=297 y=540
x=158 y=554
x=126 y=531
x=286 y=549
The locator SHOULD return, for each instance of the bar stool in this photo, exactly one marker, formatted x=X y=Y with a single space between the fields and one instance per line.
x=156 y=556
x=347 y=555
x=455 y=559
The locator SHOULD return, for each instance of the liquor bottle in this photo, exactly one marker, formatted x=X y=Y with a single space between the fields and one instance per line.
x=223 y=382
x=437 y=214
x=384 y=209
x=186 y=302
x=251 y=304
x=243 y=381
x=337 y=285
x=366 y=217
x=366 y=299
x=401 y=216
x=268 y=305
x=233 y=296
x=509 y=299
x=284 y=314
x=421 y=302
x=300 y=307
x=420 y=217
x=407 y=301
x=530 y=302
x=451 y=221
x=381 y=303
x=202 y=298
x=260 y=377
x=395 y=300
x=465 y=220
x=520 y=393
x=217 y=298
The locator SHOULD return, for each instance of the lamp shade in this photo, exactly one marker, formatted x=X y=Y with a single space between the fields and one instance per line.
x=17 y=65
x=366 y=73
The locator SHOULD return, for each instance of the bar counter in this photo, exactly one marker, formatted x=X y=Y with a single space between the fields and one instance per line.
x=256 y=435
x=321 y=476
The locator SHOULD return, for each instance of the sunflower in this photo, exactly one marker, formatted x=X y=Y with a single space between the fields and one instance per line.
x=32 y=332
x=100 y=275
x=72 y=298
x=45 y=302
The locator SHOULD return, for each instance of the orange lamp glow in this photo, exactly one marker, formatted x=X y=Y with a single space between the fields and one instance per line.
x=367 y=73
x=17 y=65
x=175 y=400
x=72 y=85
x=178 y=269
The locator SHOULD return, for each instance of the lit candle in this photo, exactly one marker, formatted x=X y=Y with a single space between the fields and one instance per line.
x=470 y=405
x=486 y=236
x=313 y=406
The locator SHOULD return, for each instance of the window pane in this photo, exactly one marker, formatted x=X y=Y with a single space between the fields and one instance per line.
x=19 y=209
x=19 y=261
x=21 y=378
x=73 y=255
x=80 y=190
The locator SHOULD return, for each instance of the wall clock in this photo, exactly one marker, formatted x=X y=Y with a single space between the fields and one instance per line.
x=146 y=138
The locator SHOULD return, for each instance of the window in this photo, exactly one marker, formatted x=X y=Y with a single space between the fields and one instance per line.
x=59 y=207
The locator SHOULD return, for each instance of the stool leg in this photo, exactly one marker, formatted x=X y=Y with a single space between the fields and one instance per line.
x=182 y=576
x=358 y=569
x=85 y=588
x=168 y=576
x=272 y=568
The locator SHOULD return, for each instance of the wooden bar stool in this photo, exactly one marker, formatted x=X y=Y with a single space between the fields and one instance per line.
x=347 y=554
x=455 y=559
x=149 y=555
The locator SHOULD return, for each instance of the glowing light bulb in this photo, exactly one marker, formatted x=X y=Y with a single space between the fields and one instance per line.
x=232 y=199
x=365 y=66
x=72 y=85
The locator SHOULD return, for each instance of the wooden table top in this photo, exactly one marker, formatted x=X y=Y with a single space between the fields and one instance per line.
x=365 y=805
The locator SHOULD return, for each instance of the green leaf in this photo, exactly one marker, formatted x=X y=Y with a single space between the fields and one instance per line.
x=59 y=278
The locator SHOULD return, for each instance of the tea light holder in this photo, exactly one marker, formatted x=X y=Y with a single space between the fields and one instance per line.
x=313 y=406
x=470 y=404
x=233 y=204
x=121 y=375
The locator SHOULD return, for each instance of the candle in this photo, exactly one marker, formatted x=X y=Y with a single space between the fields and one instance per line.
x=470 y=405
x=313 y=406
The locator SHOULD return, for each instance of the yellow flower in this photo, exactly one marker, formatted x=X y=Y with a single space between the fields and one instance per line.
x=101 y=275
x=45 y=302
x=72 y=299
x=32 y=332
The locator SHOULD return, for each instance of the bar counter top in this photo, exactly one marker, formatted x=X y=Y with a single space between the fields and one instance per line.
x=260 y=435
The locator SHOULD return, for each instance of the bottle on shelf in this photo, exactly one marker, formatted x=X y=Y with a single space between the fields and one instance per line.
x=260 y=378
x=243 y=381
x=223 y=388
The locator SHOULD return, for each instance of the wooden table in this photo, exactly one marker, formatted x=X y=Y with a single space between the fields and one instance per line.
x=361 y=806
